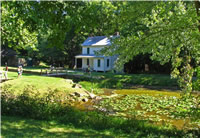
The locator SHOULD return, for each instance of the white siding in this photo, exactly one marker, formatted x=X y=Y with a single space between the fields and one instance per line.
x=84 y=63
x=110 y=64
x=91 y=63
x=84 y=50
x=96 y=68
x=92 y=49
x=95 y=49
x=94 y=61
x=103 y=65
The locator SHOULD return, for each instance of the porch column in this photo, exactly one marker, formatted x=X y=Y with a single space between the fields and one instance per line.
x=75 y=62
x=104 y=65
x=82 y=62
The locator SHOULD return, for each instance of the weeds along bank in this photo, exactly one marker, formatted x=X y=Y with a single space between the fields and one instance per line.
x=50 y=106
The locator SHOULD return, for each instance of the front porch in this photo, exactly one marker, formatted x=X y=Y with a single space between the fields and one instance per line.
x=95 y=63
x=83 y=62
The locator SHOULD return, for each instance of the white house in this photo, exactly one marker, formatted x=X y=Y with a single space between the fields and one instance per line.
x=88 y=57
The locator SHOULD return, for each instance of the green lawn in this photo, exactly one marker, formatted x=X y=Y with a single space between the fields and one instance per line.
x=105 y=79
x=127 y=81
x=40 y=83
x=112 y=80
x=17 y=127
x=96 y=81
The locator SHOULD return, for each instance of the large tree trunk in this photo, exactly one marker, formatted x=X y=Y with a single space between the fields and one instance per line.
x=197 y=5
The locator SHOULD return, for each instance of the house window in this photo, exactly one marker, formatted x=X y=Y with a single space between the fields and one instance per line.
x=99 y=63
x=88 y=62
x=88 y=51
x=108 y=62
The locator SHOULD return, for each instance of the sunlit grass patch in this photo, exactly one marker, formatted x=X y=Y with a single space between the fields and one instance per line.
x=40 y=83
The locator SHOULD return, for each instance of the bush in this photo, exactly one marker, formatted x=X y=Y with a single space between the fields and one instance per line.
x=196 y=84
x=30 y=103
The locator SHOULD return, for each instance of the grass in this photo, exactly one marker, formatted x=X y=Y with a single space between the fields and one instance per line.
x=120 y=81
x=21 y=127
x=132 y=81
x=111 y=80
x=88 y=125
x=107 y=80
x=41 y=83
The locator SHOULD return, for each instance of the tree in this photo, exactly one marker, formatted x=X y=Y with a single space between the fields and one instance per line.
x=91 y=18
x=65 y=24
x=17 y=27
x=169 y=32
x=197 y=5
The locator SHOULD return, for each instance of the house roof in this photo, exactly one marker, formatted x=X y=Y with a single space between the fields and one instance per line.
x=97 y=41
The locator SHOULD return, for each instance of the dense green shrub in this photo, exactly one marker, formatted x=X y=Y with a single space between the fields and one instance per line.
x=30 y=103
x=196 y=83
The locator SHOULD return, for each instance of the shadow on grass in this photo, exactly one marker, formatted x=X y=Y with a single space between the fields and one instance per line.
x=30 y=74
x=152 y=82
x=83 y=124
x=20 y=127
